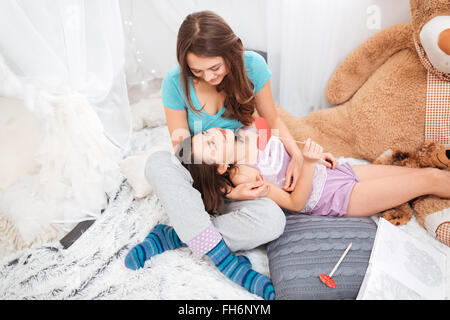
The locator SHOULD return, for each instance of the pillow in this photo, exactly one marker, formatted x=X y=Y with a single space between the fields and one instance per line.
x=20 y=136
x=148 y=112
x=133 y=168
x=311 y=245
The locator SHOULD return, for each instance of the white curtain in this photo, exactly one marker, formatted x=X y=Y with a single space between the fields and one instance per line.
x=155 y=25
x=70 y=46
x=307 y=39
x=65 y=60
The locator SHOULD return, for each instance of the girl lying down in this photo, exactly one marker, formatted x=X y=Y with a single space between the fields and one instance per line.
x=219 y=160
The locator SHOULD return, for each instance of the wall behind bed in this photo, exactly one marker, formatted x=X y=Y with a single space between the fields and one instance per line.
x=305 y=39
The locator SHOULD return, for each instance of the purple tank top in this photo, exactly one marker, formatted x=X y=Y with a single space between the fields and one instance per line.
x=272 y=163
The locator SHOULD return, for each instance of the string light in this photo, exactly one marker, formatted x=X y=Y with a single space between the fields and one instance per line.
x=139 y=79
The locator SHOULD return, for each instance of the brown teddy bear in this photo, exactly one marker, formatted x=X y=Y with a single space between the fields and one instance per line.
x=392 y=92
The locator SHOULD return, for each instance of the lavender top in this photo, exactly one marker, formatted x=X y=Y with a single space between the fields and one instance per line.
x=272 y=163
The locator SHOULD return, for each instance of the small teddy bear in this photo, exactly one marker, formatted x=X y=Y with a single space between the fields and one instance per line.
x=430 y=154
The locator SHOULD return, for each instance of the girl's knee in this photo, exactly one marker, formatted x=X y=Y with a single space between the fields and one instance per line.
x=438 y=181
x=437 y=174
x=434 y=176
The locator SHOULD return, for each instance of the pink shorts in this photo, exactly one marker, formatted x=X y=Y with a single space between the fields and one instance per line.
x=336 y=192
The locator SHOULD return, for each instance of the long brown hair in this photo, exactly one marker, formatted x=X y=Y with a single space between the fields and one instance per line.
x=206 y=34
x=212 y=186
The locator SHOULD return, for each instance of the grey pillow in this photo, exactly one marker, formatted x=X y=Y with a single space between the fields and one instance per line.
x=311 y=245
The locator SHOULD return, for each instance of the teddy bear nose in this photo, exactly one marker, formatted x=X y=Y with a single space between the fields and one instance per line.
x=444 y=41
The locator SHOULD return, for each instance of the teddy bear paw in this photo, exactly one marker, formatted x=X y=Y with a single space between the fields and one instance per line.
x=443 y=233
x=398 y=216
x=384 y=158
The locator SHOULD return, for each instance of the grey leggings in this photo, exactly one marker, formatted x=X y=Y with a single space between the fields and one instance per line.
x=245 y=225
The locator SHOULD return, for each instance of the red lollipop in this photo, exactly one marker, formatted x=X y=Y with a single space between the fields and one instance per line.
x=264 y=133
x=327 y=279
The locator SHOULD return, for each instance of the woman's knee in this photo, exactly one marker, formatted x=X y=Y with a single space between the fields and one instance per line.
x=248 y=224
x=269 y=219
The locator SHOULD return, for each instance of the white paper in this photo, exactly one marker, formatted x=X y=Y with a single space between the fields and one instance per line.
x=402 y=267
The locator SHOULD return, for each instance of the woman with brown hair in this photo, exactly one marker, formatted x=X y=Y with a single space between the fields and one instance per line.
x=216 y=84
x=220 y=85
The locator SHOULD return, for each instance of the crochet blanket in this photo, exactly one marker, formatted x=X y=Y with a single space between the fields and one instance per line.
x=93 y=267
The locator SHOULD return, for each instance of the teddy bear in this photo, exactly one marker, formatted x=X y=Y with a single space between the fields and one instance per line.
x=392 y=92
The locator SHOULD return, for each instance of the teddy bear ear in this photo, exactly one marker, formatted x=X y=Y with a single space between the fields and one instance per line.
x=430 y=8
x=423 y=11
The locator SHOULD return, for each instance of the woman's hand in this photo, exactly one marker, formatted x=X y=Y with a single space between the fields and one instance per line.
x=328 y=161
x=249 y=190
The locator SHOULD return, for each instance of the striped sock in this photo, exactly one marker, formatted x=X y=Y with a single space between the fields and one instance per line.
x=239 y=270
x=160 y=239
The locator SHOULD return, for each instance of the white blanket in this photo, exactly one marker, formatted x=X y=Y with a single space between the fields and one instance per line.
x=93 y=267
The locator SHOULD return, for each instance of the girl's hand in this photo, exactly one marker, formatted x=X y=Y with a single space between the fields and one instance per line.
x=292 y=174
x=328 y=161
x=312 y=152
x=249 y=190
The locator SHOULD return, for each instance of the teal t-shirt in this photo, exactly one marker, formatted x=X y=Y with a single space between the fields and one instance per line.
x=173 y=96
